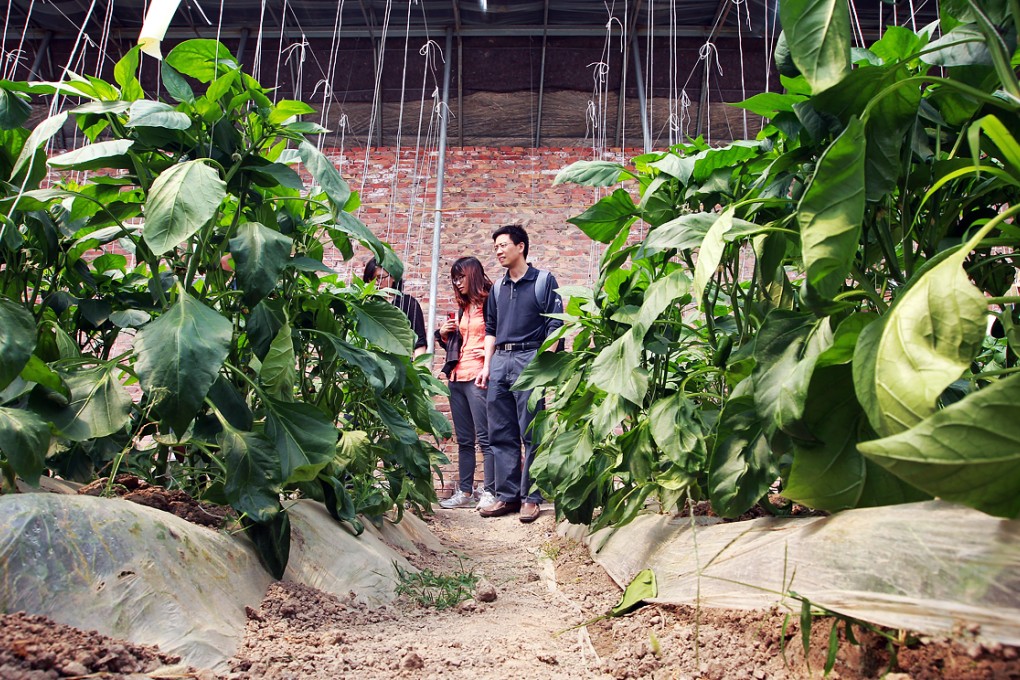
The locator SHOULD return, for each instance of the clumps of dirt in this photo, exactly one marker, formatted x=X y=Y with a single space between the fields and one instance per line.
x=660 y=641
x=300 y=631
x=176 y=502
x=37 y=648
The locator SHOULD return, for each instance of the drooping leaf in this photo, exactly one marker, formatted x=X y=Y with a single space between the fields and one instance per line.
x=272 y=541
x=682 y=233
x=831 y=210
x=678 y=432
x=14 y=110
x=661 y=294
x=818 y=38
x=384 y=255
x=260 y=256
x=741 y=469
x=963 y=46
x=590 y=173
x=278 y=373
x=100 y=155
x=37 y=371
x=611 y=214
x=40 y=135
x=385 y=326
x=176 y=86
x=253 y=473
x=146 y=113
x=17 y=339
x=24 y=440
x=968 y=452
x=928 y=339
x=710 y=253
x=396 y=423
x=181 y=200
x=545 y=369
x=785 y=350
x=304 y=439
x=99 y=405
x=617 y=369
x=326 y=175
x=179 y=356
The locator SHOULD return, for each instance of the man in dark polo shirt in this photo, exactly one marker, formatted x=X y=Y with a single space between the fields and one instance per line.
x=514 y=330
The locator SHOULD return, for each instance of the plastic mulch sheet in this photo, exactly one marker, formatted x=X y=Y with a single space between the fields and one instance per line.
x=139 y=574
x=932 y=567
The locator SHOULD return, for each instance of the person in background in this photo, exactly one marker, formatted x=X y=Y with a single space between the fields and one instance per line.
x=515 y=327
x=407 y=304
x=463 y=338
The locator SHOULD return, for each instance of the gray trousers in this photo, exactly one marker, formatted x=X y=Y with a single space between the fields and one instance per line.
x=471 y=425
x=509 y=419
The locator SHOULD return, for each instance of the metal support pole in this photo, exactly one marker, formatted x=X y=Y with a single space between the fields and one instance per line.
x=437 y=223
x=242 y=44
x=639 y=78
x=40 y=54
x=541 y=76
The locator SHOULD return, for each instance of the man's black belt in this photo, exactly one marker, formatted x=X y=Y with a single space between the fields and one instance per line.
x=517 y=346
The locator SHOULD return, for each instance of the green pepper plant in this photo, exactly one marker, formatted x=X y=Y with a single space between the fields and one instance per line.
x=212 y=350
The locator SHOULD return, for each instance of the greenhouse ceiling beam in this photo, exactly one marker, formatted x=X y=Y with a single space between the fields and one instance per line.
x=541 y=75
x=440 y=177
x=234 y=33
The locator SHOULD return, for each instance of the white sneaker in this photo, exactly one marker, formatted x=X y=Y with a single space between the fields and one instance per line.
x=458 y=500
x=485 y=500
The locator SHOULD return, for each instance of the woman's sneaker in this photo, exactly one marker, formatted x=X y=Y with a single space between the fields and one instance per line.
x=485 y=500
x=458 y=500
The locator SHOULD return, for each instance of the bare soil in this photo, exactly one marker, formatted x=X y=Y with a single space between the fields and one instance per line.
x=546 y=589
x=176 y=502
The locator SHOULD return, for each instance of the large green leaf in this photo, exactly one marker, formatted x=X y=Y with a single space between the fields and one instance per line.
x=325 y=174
x=272 y=541
x=928 y=339
x=305 y=440
x=278 y=373
x=611 y=214
x=590 y=173
x=181 y=200
x=617 y=369
x=288 y=108
x=888 y=126
x=385 y=326
x=125 y=73
x=545 y=369
x=741 y=469
x=202 y=59
x=146 y=113
x=785 y=350
x=260 y=256
x=661 y=294
x=17 y=340
x=682 y=233
x=40 y=135
x=380 y=374
x=710 y=253
x=829 y=474
x=179 y=356
x=100 y=155
x=99 y=405
x=253 y=473
x=968 y=452
x=831 y=210
x=24 y=440
x=818 y=37
x=14 y=110
x=398 y=426
x=563 y=468
x=678 y=432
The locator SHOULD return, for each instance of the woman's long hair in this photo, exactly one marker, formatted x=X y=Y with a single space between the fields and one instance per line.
x=478 y=284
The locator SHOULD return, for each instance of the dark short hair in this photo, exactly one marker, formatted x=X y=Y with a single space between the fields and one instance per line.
x=372 y=268
x=516 y=233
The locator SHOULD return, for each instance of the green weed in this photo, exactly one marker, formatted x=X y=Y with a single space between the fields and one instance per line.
x=429 y=589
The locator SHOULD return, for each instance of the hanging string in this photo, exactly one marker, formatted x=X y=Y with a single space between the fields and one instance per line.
x=400 y=126
x=256 y=69
x=428 y=51
x=740 y=49
x=17 y=56
x=279 y=49
x=334 y=55
x=673 y=116
x=377 y=92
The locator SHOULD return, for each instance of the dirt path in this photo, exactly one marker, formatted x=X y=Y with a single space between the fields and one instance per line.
x=517 y=635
